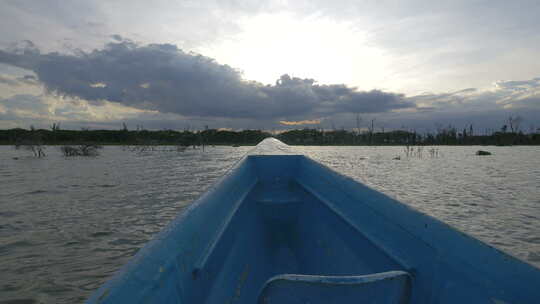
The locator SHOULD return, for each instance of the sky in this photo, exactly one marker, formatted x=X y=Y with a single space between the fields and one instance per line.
x=269 y=65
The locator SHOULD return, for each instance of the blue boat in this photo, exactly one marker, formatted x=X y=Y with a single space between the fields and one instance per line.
x=282 y=228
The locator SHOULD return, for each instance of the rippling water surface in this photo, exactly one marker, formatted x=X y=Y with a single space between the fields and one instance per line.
x=67 y=224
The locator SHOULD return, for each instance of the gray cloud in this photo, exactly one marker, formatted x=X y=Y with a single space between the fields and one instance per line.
x=416 y=25
x=57 y=24
x=487 y=110
x=17 y=81
x=445 y=44
x=23 y=109
x=504 y=96
x=519 y=85
x=8 y=80
x=163 y=77
x=440 y=45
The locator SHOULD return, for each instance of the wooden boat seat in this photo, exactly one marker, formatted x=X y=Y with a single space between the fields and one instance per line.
x=385 y=287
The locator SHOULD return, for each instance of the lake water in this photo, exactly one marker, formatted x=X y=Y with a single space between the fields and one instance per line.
x=67 y=224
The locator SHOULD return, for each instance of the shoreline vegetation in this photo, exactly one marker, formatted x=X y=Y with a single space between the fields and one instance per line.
x=444 y=136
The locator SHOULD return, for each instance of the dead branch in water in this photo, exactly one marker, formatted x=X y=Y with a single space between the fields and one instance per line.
x=32 y=142
x=81 y=150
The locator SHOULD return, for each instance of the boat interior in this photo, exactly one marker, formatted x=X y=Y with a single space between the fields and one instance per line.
x=286 y=229
x=283 y=244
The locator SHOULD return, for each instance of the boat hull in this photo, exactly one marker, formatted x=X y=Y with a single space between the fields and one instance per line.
x=284 y=228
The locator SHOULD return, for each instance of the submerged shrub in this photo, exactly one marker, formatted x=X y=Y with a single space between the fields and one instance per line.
x=481 y=152
x=81 y=150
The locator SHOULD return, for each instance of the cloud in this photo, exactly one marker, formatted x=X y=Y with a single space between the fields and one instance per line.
x=300 y=122
x=440 y=45
x=23 y=110
x=31 y=104
x=512 y=94
x=8 y=80
x=87 y=24
x=18 y=81
x=518 y=85
x=443 y=45
x=486 y=109
x=162 y=77
x=117 y=37
x=43 y=109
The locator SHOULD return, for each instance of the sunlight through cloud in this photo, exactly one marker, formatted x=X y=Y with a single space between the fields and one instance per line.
x=311 y=47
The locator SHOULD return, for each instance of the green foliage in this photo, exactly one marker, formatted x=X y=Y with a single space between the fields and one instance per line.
x=443 y=136
x=141 y=137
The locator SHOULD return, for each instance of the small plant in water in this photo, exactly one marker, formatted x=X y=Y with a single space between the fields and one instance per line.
x=412 y=152
x=36 y=148
x=81 y=150
x=433 y=152
x=419 y=151
x=408 y=150
x=31 y=142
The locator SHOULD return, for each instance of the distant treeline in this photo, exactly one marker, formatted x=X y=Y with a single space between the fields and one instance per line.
x=128 y=137
x=449 y=136
x=446 y=136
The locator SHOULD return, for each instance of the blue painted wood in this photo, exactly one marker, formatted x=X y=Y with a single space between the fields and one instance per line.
x=284 y=216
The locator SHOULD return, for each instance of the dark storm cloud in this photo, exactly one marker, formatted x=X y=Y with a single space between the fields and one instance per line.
x=162 y=77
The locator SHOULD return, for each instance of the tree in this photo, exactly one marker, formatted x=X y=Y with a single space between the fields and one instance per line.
x=515 y=122
x=371 y=129
x=358 y=120
x=55 y=126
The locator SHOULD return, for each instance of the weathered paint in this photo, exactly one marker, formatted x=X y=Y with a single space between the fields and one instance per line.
x=282 y=222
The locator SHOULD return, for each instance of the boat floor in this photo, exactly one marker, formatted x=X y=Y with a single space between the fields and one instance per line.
x=283 y=238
